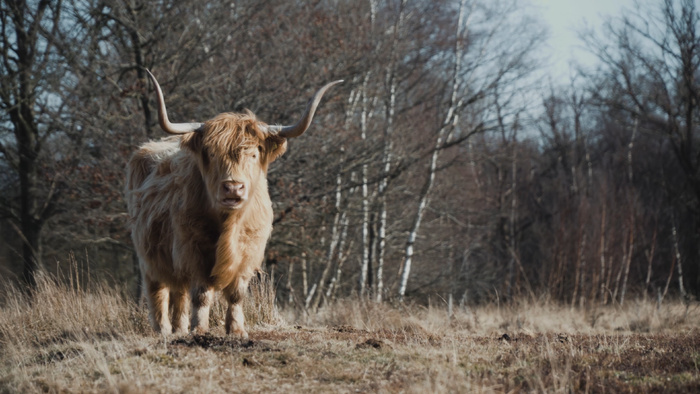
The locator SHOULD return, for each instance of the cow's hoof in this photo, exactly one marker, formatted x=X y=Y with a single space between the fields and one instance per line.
x=181 y=331
x=241 y=334
x=200 y=330
x=164 y=330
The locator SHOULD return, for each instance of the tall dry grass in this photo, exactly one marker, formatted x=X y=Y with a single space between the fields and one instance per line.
x=58 y=309
x=79 y=319
x=521 y=316
x=64 y=307
x=76 y=334
x=61 y=318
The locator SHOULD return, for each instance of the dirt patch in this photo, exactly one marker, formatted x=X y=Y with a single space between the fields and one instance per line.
x=372 y=344
x=349 y=330
x=345 y=358
x=659 y=354
x=55 y=356
x=218 y=343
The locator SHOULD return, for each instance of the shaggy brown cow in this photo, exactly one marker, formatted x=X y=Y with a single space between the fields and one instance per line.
x=201 y=212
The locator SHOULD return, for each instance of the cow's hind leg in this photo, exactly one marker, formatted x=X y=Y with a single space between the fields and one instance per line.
x=235 y=320
x=202 y=299
x=158 y=296
x=178 y=303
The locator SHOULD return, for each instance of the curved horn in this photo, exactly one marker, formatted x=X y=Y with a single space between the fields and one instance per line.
x=170 y=128
x=300 y=127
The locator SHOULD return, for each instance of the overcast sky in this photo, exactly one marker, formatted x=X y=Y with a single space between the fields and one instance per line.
x=564 y=17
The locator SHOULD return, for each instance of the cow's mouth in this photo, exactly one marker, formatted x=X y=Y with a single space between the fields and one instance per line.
x=232 y=202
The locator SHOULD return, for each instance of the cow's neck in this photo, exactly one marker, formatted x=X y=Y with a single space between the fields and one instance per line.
x=258 y=205
x=242 y=227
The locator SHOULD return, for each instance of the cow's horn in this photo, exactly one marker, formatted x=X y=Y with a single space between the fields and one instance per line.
x=171 y=128
x=300 y=127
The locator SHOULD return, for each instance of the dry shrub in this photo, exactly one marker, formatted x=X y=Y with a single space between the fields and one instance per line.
x=259 y=307
x=91 y=338
x=61 y=309
x=551 y=317
x=58 y=309
x=62 y=320
x=399 y=322
x=70 y=333
x=524 y=317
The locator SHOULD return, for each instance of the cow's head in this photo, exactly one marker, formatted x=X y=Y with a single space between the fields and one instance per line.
x=234 y=150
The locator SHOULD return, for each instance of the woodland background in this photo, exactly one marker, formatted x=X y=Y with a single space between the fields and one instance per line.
x=447 y=165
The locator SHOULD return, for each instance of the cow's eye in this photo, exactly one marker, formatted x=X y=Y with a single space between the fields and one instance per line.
x=258 y=152
x=206 y=156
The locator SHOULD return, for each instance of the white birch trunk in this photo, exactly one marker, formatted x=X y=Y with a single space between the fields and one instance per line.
x=335 y=281
x=365 y=115
x=304 y=269
x=580 y=266
x=627 y=265
x=650 y=259
x=630 y=177
x=381 y=247
x=343 y=250
x=310 y=296
x=335 y=239
x=386 y=160
x=630 y=146
x=602 y=250
x=364 y=267
x=387 y=156
x=513 y=210
x=679 y=264
x=443 y=135
x=290 y=288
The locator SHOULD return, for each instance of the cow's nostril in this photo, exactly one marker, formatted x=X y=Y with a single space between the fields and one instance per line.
x=232 y=187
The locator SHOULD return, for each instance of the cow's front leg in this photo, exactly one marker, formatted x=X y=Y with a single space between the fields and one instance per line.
x=235 y=320
x=158 y=295
x=202 y=298
x=178 y=303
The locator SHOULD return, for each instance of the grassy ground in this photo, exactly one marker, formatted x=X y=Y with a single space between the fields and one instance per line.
x=95 y=341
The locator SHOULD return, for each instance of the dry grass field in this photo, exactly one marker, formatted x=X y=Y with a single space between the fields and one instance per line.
x=94 y=340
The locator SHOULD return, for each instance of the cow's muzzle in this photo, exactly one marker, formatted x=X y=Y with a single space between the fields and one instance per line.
x=233 y=194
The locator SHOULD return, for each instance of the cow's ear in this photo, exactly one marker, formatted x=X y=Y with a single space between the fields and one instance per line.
x=275 y=146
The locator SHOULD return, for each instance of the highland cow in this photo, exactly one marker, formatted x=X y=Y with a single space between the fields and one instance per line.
x=201 y=213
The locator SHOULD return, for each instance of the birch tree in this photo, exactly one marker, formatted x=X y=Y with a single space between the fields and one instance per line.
x=444 y=133
x=650 y=65
x=475 y=76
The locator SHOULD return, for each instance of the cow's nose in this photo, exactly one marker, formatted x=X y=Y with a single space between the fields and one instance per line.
x=231 y=188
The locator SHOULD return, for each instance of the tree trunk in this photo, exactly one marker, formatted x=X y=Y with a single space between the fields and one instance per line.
x=35 y=207
x=336 y=233
x=290 y=288
x=601 y=252
x=443 y=135
x=386 y=169
x=366 y=246
x=342 y=256
x=627 y=264
x=679 y=262
x=650 y=259
x=30 y=220
x=387 y=154
x=512 y=217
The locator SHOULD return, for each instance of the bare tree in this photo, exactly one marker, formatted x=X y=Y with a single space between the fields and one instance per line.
x=650 y=68
x=31 y=75
x=477 y=75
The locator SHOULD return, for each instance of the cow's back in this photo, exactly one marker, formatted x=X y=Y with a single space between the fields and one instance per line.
x=150 y=192
x=147 y=158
